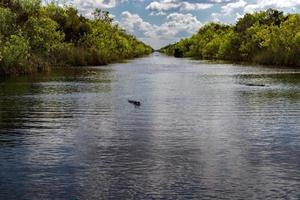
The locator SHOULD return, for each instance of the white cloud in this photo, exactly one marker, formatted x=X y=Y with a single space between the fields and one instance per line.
x=182 y=22
x=230 y=7
x=160 y=13
x=87 y=4
x=221 y=1
x=175 y=24
x=134 y=22
x=278 y=4
x=228 y=10
x=86 y=7
x=167 y=5
x=163 y=5
x=186 y=6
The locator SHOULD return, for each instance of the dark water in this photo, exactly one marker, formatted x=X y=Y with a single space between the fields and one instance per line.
x=201 y=132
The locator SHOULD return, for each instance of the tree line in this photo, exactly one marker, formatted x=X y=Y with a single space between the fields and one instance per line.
x=267 y=37
x=34 y=37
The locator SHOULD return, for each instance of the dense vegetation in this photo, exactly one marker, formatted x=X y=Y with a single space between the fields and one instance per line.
x=35 y=36
x=268 y=37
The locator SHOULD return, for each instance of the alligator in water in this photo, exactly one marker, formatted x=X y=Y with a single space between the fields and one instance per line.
x=254 y=84
x=136 y=103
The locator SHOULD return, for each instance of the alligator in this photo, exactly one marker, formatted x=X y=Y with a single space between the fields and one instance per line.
x=254 y=84
x=136 y=103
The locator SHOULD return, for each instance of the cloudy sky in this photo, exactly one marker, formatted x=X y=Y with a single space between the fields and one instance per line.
x=160 y=22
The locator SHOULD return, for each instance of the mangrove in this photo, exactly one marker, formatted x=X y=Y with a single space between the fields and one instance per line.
x=268 y=37
x=35 y=36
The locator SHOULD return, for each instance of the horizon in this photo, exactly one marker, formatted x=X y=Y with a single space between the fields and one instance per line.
x=162 y=22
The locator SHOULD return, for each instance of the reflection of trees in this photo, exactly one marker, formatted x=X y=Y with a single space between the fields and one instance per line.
x=11 y=106
x=47 y=101
x=42 y=121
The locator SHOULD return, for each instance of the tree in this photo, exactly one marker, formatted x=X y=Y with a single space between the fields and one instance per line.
x=102 y=16
x=267 y=37
x=7 y=22
x=229 y=47
x=44 y=34
x=35 y=35
x=272 y=17
x=15 y=54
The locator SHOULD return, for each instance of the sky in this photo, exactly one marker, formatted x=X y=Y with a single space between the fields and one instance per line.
x=162 y=22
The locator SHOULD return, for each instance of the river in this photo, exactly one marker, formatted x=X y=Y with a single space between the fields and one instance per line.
x=203 y=131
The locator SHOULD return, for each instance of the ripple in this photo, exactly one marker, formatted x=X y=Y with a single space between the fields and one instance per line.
x=199 y=133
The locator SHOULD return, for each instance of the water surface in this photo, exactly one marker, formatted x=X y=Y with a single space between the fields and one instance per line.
x=201 y=132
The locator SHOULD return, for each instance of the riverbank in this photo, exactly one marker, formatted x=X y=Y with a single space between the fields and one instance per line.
x=34 y=37
x=269 y=38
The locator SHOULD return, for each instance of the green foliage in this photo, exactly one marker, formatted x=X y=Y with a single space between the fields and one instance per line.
x=112 y=43
x=70 y=22
x=22 y=8
x=29 y=7
x=43 y=34
x=268 y=37
x=229 y=47
x=14 y=54
x=101 y=15
x=7 y=22
x=211 y=49
x=1 y=49
x=33 y=37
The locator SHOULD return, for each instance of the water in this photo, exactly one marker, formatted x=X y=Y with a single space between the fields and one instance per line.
x=201 y=132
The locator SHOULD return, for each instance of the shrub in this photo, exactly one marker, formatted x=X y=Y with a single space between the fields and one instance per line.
x=7 y=22
x=15 y=54
x=44 y=34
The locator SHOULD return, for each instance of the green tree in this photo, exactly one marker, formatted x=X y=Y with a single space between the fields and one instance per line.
x=34 y=36
x=15 y=54
x=229 y=47
x=7 y=22
x=43 y=34
x=267 y=37
x=102 y=16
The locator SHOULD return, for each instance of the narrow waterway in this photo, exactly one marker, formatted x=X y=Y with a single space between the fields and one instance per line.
x=203 y=131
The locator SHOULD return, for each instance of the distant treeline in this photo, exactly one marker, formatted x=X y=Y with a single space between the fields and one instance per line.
x=35 y=36
x=270 y=37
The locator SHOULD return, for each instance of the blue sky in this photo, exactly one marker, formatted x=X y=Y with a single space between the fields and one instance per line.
x=160 y=22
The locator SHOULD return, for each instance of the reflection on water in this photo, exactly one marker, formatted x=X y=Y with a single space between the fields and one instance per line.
x=200 y=133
